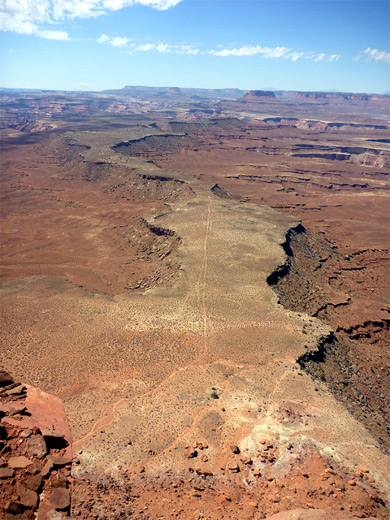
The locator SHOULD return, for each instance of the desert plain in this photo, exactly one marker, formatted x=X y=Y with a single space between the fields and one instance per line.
x=202 y=279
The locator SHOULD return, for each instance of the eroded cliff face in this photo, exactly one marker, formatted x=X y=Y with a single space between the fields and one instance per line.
x=354 y=360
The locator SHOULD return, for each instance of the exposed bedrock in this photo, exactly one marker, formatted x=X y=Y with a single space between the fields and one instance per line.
x=353 y=360
x=36 y=453
x=221 y=193
x=329 y=156
x=152 y=143
x=322 y=126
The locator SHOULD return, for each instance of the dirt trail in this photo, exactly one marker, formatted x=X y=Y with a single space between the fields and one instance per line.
x=204 y=277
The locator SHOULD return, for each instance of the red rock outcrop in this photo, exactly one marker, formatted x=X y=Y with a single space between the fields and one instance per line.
x=36 y=453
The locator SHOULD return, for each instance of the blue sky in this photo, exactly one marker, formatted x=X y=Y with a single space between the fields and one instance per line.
x=249 y=44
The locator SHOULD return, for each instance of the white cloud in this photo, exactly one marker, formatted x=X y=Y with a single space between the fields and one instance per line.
x=16 y=24
x=294 y=56
x=248 y=50
x=164 y=48
x=28 y=16
x=270 y=52
x=103 y=39
x=176 y=49
x=375 y=55
x=119 y=42
x=320 y=57
x=161 y=5
x=144 y=47
x=334 y=57
x=53 y=35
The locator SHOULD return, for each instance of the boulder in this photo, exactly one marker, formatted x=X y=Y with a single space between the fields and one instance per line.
x=52 y=435
x=18 y=390
x=20 y=462
x=233 y=466
x=58 y=462
x=190 y=453
x=36 y=446
x=34 y=482
x=14 y=507
x=13 y=407
x=5 y=378
x=47 y=468
x=47 y=413
x=56 y=515
x=60 y=498
x=6 y=473
x=33 y=469
x=28 y=497
x=58 y=482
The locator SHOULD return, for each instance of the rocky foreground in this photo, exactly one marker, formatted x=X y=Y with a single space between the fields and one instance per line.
x=35 y=462
x=41 y=480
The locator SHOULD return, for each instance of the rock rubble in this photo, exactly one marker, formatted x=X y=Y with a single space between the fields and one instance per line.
x=34 y=471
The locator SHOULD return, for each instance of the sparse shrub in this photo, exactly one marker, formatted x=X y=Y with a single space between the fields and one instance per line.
x=214 y=395
x=316 y=389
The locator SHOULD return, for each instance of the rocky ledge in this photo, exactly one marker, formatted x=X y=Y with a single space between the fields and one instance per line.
x=36 y=457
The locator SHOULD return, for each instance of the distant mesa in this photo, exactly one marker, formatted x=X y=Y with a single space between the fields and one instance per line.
x=318 y=98
x=331 y=97
x=260 y=96
x=173 y=91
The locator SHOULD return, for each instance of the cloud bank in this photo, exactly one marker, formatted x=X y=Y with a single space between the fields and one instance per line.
x=247 y=50
x=31 y=16
x=274 y=52
x=123 y=41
